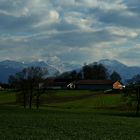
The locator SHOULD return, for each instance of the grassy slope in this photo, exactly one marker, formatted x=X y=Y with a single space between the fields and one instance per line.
x=78 y=119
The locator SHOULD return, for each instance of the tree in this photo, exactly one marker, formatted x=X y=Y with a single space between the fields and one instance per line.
x=115 y=76
x=65 y=75
x=95 y=71
x=4 y=85
x=132 y=92
x=73 y=74
x=19 y=83
x=79 y=75
x=27 y=81
x=40 y=90
x=87 y=72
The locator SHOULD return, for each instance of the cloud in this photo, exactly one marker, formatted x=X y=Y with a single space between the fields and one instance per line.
x=130 y=55
x=119 y=19
x=75 y=30
x=123 y=32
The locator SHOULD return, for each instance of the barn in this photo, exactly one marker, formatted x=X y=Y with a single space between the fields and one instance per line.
x=93 y=84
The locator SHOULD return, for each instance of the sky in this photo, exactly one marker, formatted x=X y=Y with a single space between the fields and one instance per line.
x=74 y=31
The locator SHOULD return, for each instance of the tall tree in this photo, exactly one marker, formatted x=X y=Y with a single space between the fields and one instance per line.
x=73 y=74
x=115 y=76
x=95 y=71
x=19 y=83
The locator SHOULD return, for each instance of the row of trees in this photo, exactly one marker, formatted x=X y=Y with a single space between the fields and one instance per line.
x=95 y=71
x=28 y=85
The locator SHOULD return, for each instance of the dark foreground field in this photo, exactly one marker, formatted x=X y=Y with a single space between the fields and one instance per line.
x=95 y=117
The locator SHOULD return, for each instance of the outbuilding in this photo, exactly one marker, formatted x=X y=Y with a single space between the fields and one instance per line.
x=118 y=85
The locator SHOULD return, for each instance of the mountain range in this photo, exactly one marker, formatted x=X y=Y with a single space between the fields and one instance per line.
x=126 y=72
x=9 y=67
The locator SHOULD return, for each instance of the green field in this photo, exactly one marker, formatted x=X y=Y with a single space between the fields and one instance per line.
x=69 y=115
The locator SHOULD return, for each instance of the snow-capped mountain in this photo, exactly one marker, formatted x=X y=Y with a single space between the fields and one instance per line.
x=126 y=72
x=11 y=64
x=9 y=67
x=63 y=66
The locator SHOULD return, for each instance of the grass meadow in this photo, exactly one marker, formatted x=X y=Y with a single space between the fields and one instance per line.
x=69 y=115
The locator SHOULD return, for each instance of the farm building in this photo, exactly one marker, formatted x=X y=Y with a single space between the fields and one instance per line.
x=118 y=85
x=92 y=84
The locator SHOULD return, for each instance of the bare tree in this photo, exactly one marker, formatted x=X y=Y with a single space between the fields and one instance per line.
x=27 y=82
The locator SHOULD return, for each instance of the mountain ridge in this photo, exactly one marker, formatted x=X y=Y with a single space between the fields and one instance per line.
x=126 y=72
x=8 y=67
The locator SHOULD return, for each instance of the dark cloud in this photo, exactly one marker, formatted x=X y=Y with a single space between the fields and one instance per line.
x=133 y=5
x=119 y=19
x=15 y=24
x=82 y=39
x=131 y=53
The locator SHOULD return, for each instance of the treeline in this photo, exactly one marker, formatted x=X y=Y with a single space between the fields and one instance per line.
x=92 y=72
